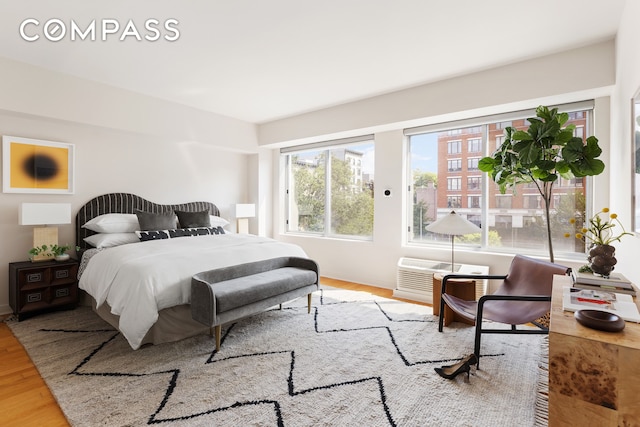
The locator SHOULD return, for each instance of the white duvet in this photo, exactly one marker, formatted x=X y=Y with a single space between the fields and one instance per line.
x=138 y=280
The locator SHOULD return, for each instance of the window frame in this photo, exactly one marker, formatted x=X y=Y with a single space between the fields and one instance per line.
x=506 y=119
x=326 y=148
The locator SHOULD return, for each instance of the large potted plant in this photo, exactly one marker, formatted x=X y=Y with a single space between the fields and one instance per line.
x=541 y=155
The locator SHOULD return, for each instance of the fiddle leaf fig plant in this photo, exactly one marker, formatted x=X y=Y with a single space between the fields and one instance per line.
x=541 y=155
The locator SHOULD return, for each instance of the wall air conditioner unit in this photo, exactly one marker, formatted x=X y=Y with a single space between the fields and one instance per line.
x=415 y=277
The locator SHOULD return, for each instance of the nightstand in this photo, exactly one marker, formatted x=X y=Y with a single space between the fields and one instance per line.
x=37 y=287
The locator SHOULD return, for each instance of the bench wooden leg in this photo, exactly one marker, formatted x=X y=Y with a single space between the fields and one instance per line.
x=218 y=330
x=308 y=303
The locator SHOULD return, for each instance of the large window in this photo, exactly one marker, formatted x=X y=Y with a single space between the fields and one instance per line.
x=330 y=189
x=511 y=222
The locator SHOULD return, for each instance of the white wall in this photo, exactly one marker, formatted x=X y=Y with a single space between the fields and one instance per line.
x=124 y=142
x=556 y=78
x=628 y=82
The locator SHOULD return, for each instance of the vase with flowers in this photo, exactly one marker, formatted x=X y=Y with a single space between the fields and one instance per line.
x=599 y=233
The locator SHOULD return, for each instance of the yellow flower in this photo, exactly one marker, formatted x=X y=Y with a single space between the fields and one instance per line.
x=567 y=235
x=599 y=231
x=572 y=221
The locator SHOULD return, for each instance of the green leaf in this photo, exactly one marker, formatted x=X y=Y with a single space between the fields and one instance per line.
x=573 y=151
x=528 y=151
x=547 y=165
x=486 y=164
x=521 y=135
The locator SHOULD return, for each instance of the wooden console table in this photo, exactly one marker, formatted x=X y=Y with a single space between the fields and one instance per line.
x=594 y=376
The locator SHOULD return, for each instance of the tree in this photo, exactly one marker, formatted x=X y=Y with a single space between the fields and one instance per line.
x=351 y=204
x=422 y=179
x=309 y=195
x=542 y=154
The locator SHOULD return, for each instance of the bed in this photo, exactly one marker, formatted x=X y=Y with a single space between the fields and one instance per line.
x=142 y=285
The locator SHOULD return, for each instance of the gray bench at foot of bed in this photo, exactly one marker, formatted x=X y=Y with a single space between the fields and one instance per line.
x=227 y=294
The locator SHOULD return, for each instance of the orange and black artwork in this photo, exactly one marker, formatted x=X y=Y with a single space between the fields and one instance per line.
x=37 y=166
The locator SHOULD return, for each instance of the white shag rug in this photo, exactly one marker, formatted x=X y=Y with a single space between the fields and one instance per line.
x=356 y=360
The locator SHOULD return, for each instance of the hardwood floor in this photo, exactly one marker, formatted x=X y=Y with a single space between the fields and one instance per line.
x=25 y=399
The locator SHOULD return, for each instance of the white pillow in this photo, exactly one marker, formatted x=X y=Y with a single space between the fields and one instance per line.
x=113 y=223
x=216 y=221
x=108 y=240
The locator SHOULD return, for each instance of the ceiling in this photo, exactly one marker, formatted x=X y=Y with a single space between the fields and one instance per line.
x=262 y=60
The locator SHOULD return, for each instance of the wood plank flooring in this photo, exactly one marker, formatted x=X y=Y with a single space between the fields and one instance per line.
x=25 y=399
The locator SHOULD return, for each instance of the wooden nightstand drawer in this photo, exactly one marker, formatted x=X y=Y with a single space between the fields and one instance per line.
x=34 y=277
x=42 y=286
x=64 y=274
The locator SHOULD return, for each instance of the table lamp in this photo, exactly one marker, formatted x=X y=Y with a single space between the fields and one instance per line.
x=244 y=211
x=453 y=225
x=44 y=214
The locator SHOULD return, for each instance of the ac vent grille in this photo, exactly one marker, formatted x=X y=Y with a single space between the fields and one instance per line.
x=415 y=277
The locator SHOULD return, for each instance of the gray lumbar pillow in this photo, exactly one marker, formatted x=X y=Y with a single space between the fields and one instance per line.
x=156 y=221
x=193 y=219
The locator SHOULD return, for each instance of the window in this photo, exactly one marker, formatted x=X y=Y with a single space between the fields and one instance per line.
x=330 y=190
x=454 y=147
x=503 y=202
x=514 y=220
x=475 y=145
x=454 y=165
x=532 y=202
x=473 y=202
x=474 y=183
x=454 y=183
x=472 y=164
x=454 y=201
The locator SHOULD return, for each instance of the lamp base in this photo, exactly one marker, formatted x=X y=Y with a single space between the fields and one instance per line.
x=44 y=236
x=243 y=226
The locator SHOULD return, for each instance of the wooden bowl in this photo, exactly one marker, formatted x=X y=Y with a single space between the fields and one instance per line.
x=600 y=320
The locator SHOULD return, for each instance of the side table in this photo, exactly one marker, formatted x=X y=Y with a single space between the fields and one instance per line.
x=36 y=287
x=461 y=288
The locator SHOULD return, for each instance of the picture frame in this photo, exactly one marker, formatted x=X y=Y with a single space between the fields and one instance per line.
x=635 y=162
x=37 y=166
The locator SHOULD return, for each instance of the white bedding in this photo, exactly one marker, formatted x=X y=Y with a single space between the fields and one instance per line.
x=138 y=280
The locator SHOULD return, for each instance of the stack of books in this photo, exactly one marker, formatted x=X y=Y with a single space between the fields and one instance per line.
x=616 y=282
x=620 y=304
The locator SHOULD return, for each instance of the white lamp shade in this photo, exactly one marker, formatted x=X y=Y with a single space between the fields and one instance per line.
x=246 y=210
x=454 y=225
x=44 y=213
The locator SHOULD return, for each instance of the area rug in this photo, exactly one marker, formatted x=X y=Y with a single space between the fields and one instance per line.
x=356 y=360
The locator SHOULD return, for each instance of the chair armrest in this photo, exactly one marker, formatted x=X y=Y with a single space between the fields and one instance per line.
x=486 y=298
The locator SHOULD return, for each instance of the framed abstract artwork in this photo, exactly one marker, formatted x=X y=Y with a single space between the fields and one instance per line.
x=36 y=166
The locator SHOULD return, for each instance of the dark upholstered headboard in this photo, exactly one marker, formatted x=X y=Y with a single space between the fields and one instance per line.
x=128 y=203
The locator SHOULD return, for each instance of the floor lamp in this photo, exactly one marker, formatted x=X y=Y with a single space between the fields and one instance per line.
x=453 y=225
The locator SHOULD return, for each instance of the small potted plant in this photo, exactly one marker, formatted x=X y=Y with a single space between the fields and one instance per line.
x=58 y=252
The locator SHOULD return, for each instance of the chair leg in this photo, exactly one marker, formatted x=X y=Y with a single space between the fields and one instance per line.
x=218 y=331
x=476 y=346
x=308 y=303
x=441 y=315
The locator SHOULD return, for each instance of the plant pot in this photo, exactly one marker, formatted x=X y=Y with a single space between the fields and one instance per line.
x=63 y=257
x=602 y=260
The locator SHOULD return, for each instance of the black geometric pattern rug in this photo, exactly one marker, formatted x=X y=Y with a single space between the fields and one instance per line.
x=356 y=360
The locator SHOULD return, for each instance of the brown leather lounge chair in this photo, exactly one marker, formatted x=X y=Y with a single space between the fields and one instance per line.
x=523 y=296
